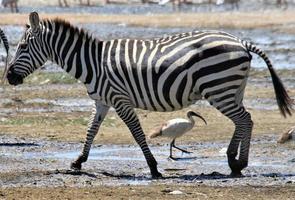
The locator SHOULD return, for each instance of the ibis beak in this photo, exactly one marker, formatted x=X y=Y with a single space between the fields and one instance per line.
x=197 y=115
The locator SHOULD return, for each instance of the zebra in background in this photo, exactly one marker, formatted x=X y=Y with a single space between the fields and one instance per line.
x=12 y=4
x=5 y=41
x=163 y=74
x=64 y=3
x=234 y=3
x=6 y=46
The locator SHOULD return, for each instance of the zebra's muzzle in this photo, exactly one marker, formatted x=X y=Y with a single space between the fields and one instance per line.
x=13 y=78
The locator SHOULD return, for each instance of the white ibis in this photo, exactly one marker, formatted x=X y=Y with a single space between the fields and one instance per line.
x=175 y=128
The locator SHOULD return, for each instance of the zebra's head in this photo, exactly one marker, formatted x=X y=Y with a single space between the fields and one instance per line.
x=29 y=54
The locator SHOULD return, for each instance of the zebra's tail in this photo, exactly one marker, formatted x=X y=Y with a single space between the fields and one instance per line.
x=283 y=100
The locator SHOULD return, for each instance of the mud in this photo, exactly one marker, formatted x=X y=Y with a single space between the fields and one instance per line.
x=35 y=162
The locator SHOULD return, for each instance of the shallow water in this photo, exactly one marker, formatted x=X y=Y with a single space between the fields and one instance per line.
x=279 y=47
x=47 y=163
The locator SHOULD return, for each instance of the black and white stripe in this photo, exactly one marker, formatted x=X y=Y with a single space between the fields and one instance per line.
x=5 y=41
x=6 y=46
x=162 y=74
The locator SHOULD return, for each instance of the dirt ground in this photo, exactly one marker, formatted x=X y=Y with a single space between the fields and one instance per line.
x=151 y=192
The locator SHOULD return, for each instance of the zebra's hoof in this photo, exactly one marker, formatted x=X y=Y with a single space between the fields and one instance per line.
x=236 y=174
x=157 y=175
x=76 y=166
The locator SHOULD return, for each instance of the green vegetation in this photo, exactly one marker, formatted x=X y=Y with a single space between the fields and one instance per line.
x=41 y=77
x=45 y=120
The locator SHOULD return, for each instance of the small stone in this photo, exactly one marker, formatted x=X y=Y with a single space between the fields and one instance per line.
x=45 y=82
x=176 y=192
x=289 y=182
x=3 y=119
x=167 y=190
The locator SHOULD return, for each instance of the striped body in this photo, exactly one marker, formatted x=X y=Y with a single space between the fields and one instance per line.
x=162 y=74
x=171 y=73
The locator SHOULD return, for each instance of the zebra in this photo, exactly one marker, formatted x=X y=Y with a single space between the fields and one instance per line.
x=64 y=3
x=6 y=46
x=12 y=4
x=5 y=41
x=234 y=3
x=161 y=74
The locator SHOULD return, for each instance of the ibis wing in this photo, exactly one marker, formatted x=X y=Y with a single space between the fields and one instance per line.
x=176 y=128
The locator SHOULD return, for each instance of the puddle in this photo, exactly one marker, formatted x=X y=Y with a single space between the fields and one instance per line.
x=133 y=153
x=47 y=163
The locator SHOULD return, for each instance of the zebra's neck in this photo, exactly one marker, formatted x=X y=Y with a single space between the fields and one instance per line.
x=74 y=50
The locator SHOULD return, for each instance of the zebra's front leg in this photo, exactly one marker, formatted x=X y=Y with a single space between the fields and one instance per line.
x=130 y=118
x=241 y=138
x=98 y=115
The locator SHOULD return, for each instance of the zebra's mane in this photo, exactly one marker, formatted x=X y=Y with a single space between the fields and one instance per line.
x=71 y=28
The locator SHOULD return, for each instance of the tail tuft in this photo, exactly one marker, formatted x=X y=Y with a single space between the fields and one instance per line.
x=285 y=103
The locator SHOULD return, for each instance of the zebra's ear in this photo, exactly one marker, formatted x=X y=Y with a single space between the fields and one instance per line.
x=34 y=21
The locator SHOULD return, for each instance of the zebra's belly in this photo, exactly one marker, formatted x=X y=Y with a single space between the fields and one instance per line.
x=172 y=105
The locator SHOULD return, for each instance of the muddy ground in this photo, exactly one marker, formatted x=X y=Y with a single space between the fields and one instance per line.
x=34 y=162
x=43 y=124
x=42 y=129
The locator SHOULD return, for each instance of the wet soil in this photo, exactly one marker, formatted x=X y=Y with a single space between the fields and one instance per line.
x=35 y=162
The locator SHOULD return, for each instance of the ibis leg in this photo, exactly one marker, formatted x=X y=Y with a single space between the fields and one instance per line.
x=184 y=151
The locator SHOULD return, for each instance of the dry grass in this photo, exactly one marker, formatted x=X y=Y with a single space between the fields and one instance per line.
x=267 y=19
x=72 y=126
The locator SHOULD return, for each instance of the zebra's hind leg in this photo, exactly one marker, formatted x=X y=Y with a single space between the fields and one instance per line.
x=98 y=115
x=241 y=138
x=127 y=114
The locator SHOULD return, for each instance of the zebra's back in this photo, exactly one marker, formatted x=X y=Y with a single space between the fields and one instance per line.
x=170 y=73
